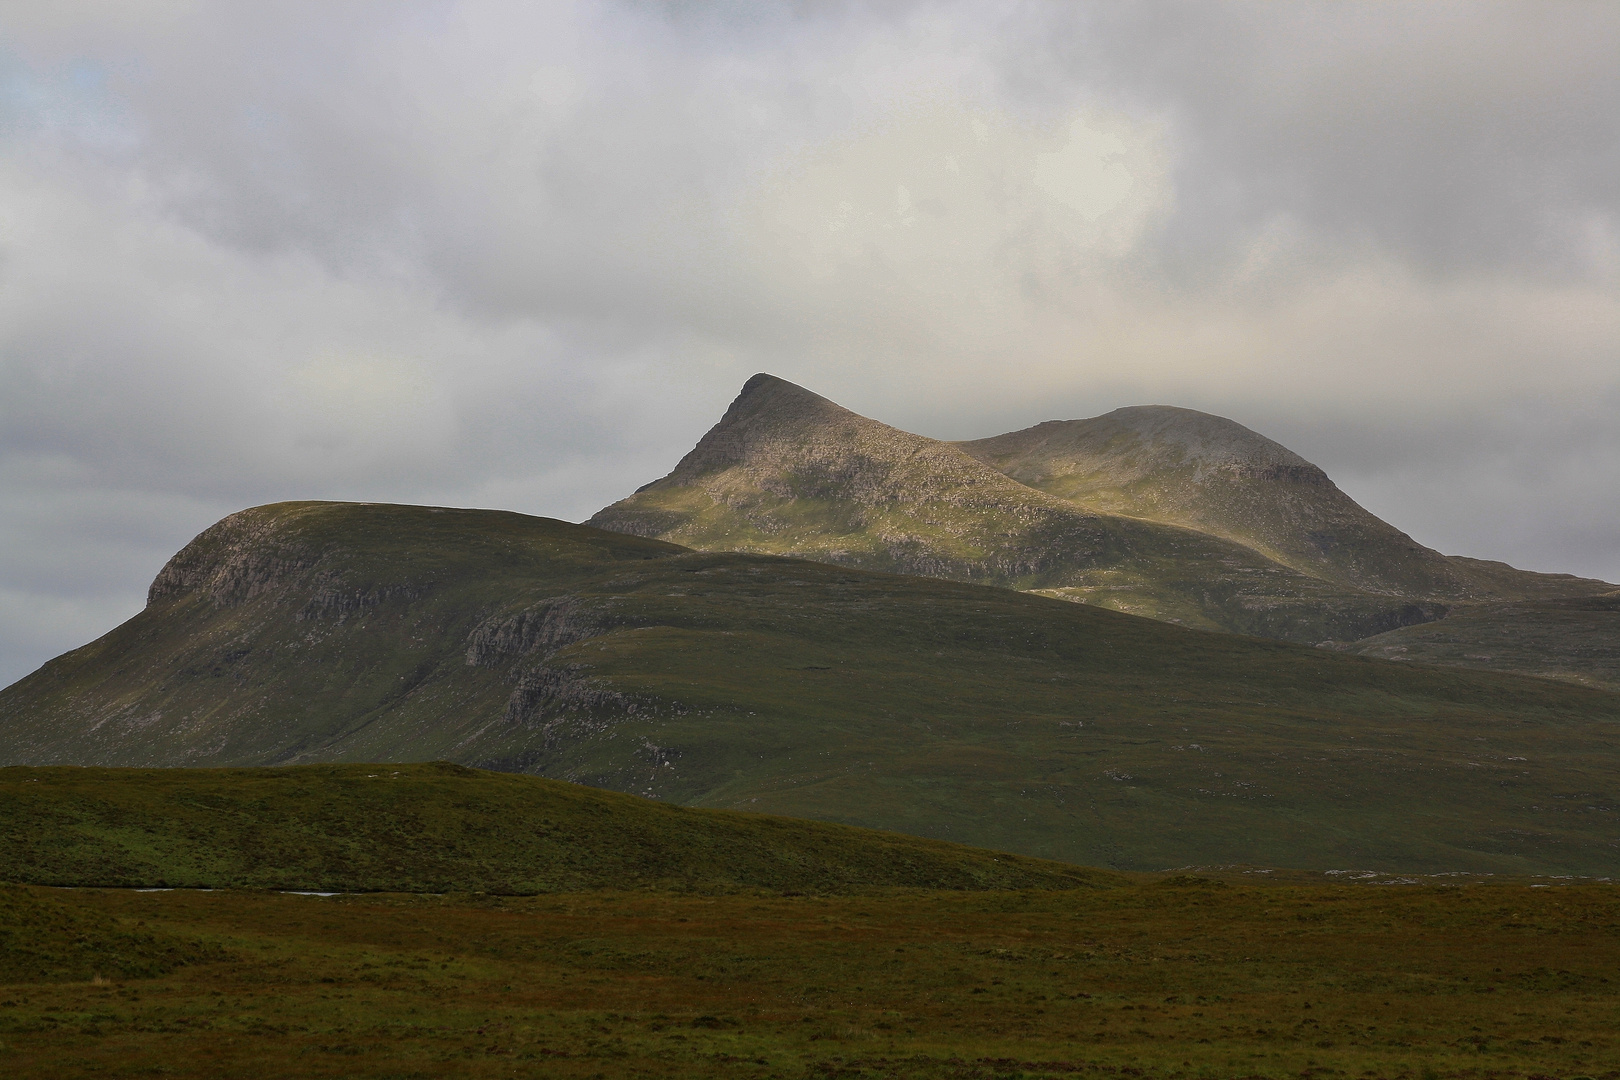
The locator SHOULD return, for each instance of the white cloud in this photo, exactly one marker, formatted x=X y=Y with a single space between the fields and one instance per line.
x=1086 y=174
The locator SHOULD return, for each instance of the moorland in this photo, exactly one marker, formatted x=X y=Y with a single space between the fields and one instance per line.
x=445 y=828
x=486 y=925
x=1179 y=977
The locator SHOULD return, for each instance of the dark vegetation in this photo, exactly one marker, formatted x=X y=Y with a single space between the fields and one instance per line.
x=45 y=940
x=445 y=828
x=311 y=632
x=674 y=942
x=1574 y=639
x=1179 y=977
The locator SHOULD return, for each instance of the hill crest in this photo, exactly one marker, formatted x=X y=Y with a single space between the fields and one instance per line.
x=1168 y=435
x=1208 y=473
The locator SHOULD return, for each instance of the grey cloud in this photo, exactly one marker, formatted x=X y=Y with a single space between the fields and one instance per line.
x=522 y=255
x=1464 y=136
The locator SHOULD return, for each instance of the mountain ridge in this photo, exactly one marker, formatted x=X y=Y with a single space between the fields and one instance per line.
x=788 y=472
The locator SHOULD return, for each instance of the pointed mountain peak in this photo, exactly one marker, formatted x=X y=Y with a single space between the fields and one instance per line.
x=764 y=382
x=771 y=421
x=766 y=396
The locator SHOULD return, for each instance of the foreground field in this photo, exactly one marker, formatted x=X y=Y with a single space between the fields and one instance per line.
x=1170 y=978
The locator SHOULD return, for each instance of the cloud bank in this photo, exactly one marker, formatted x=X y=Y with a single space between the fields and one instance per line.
x=522 y=255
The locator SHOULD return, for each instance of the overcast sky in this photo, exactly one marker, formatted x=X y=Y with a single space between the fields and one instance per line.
x=522 y=255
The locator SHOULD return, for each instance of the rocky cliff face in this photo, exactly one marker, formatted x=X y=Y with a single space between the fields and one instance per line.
x=233 y=560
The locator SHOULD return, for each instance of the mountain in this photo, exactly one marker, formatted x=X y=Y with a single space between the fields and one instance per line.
x=1158 y=511
x=1208 y=473
x=788 y=472
x=327 y=632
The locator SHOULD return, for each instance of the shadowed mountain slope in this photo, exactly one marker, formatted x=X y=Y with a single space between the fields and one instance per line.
x=788 y=472
x=1208 y=473
x=1575 y=639
x=328 y=632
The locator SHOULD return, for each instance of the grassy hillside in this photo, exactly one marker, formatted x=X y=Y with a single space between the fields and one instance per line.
x=787 y=472
x=314 y=632
x=445 y=828
x=1164 y=980
x=1574 y=639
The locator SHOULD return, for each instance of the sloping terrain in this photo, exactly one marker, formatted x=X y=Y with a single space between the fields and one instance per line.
x=1576 y=640
x=1211 y=474
x=323 y=632
x=790 y=473
x=445 y=828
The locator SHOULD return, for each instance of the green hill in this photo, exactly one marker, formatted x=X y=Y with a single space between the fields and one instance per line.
x=445 y=828
x=329 y=632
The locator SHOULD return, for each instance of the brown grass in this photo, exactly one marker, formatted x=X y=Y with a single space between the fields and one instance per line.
x=1172 y=978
